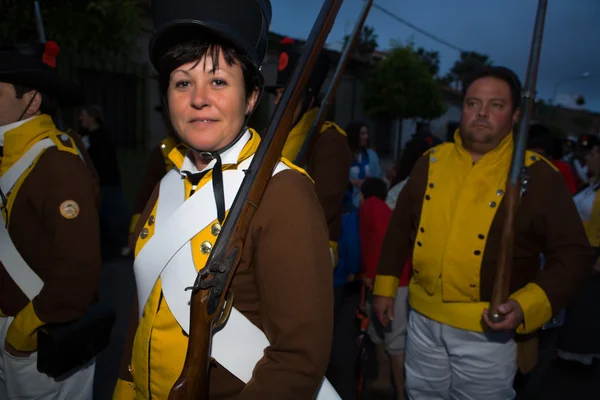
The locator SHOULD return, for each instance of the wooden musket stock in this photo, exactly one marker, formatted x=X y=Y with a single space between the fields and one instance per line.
x=335 y=82
x=517 y=175
x=211 y=297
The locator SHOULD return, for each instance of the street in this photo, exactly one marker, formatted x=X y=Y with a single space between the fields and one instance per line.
x=565 y=381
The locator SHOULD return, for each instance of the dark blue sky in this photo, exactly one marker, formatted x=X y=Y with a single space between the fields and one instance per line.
x=500 y=29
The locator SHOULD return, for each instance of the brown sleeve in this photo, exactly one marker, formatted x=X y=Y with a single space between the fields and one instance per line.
x=569 y=256
x=329 y=167
x=293 y=271
x=400 y=234
x=72 y=282
x=155 y=171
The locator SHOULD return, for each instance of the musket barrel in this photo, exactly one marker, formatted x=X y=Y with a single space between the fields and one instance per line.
x=501 y=289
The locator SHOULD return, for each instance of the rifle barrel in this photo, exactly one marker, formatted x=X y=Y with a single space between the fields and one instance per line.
x=501 y=288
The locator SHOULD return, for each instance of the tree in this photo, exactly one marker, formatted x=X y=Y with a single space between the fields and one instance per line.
x=580 y=101
x=469 y=62
x=430 y=58
x=366 y=44
x=402 y=86
x=94 y=28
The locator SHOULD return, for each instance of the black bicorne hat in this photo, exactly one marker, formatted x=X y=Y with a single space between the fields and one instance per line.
x=33 y=65
x=288 y=59
x=587 y=142
x=245 y=23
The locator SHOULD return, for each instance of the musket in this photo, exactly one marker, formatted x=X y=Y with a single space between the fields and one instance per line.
x=211 y=299
x=335 y=82
x=517 y=179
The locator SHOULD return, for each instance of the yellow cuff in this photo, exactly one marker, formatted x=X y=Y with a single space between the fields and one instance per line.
x=536 y=308
x=134 y=220
x=385 y=285
x=124 y=390
x=335 y=253
x=22 y=332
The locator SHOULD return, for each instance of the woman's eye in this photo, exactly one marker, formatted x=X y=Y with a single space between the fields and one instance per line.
x=219 y=82
x=182 y=84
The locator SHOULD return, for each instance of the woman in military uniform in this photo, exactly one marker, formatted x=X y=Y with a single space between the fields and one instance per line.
x=208 y=59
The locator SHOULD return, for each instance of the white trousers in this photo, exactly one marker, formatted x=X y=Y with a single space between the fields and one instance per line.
x=443 y=362
x=20 y=379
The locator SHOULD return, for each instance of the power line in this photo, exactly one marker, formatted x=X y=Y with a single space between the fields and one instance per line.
x=416 y=28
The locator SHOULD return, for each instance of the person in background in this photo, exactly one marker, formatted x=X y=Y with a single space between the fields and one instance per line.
x=579 y=339
x=549 y=146
x=365 y=161
x=114 y=217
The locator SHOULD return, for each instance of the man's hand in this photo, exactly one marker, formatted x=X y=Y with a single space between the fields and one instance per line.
x=14 y=352
x=384 y=309
x=513 y=317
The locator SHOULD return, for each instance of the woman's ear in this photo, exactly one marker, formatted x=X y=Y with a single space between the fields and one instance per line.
x=251 y=102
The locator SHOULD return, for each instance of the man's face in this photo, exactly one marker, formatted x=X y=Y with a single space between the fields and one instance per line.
x=11 y=108
x=487 y=115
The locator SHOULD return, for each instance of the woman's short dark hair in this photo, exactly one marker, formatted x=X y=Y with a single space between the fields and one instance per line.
x=503 y=74
x=210 y=45
x=353 y=132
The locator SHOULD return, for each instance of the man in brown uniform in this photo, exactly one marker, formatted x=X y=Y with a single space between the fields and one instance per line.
x=49 y=234
x=328 y=158
x=451 y=213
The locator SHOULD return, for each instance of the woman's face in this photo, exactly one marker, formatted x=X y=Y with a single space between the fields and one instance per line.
x=592 y=159
x=363 y=136
x=208 y=107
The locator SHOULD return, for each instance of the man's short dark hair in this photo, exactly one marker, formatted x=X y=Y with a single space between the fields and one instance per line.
x=49 y=104
x=501 y=73
x=374 y=187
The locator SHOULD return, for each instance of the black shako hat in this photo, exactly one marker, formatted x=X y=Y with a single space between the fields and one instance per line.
x=33 y=65
x=288 y=59
x=245 y=23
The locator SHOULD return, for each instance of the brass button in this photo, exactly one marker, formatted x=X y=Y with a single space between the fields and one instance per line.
x=427 y=197
x=206 y=247
x=433 y=159
x=151 y=220
x=481 y=236
x=473 y=285
x=419 y=244
x=422 y=230
x=431 y=185
x=144 y=233
x=533 y=158
x=215 y=229
x=493 y=204
x=500 y=192
x=477 y=252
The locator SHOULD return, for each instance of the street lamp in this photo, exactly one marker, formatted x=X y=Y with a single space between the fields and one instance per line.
x=580 y=76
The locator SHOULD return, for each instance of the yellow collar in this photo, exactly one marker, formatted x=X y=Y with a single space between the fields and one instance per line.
x=494 y=156
x=18 y=140
x=298 y=134
x=244 y=148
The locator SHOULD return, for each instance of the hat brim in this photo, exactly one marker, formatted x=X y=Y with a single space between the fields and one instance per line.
x=181 y=30
x=65 y=91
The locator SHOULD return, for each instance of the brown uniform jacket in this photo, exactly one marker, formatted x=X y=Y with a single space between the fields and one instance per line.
x=547 y=222
x=63 y=252
x=329 y=161
x=284 y=286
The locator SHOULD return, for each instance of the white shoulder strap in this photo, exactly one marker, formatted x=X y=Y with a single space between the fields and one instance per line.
x=8 y=180
x=27 y=280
